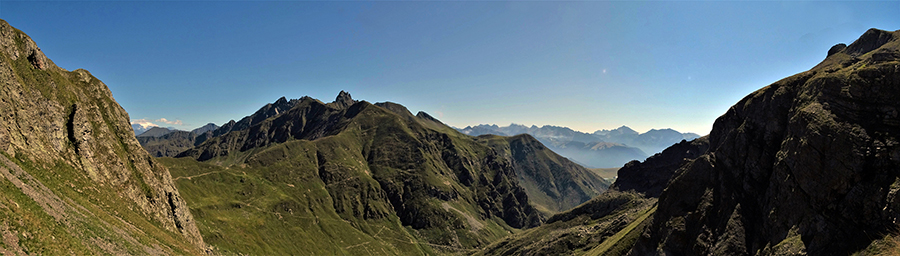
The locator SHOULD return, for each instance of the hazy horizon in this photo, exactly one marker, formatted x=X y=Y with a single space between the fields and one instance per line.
x=584 y=65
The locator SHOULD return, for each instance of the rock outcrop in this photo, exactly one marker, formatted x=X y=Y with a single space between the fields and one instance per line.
x=806 y=165
x=651 y=176
x=69 y=148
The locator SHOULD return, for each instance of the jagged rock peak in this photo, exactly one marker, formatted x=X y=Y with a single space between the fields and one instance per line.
x=281 y=101
x=343 y=100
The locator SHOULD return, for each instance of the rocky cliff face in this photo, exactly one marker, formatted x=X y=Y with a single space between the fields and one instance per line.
x=651 y=176
x=62 y=131
x=806 y=165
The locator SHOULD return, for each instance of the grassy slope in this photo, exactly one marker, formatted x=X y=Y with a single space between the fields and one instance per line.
x=240 y=210
x=94 y=218
x=621 y=242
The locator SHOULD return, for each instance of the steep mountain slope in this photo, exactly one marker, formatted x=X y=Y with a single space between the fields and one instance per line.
x=74 y=179
x=357 y=178
x=553 y=183
x=610 y=223
x=806 y=165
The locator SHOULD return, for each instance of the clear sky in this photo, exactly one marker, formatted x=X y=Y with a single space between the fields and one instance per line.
x=583 y=64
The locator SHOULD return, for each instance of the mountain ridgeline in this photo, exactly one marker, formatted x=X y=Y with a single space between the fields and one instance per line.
x=361 y=178
x=74 y=179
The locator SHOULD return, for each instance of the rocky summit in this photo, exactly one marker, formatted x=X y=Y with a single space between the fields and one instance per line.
x=74 y=179
x=806 y=165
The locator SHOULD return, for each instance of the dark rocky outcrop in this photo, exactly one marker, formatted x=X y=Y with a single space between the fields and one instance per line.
x=806 y=165
x=836 y=49
x=651 y=176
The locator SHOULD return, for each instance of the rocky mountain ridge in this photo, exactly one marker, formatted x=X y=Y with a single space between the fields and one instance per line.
x=806 y=165
x=382 y=168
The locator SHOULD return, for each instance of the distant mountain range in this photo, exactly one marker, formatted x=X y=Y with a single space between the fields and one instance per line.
x=603 y=148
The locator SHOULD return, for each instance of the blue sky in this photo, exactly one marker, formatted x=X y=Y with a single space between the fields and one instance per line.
x=587 y=65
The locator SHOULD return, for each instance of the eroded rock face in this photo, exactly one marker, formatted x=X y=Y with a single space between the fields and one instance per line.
x=650 y=177
x=52 y=117
x=806 y=165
